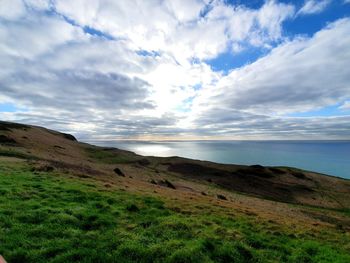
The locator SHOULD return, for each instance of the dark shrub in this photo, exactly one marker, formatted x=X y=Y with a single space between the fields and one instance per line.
x=119 y=172
x=153 y=182
x=132 y=208
x=69 y=137
x=6 y=140
x=298 y=174
x=222 y=197
x=144 y=162
x=257 y=166
x=169 y=184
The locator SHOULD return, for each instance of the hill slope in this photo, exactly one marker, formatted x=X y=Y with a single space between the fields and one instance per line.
x=247 y=213
x=63 y=152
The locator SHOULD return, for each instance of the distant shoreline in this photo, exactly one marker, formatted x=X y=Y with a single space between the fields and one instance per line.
x=322 y=156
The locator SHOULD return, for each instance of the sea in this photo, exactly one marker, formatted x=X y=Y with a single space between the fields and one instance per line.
x=327 y=157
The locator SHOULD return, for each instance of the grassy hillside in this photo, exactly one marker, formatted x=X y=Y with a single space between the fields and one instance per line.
x=50 y=217
x=63 y=201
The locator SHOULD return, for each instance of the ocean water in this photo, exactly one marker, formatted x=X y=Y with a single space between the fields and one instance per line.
x=328 y=157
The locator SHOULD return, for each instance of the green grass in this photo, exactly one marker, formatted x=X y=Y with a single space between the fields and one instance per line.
x=17 y=154
x=49 y=217
x=110 y=157
x=346 y=211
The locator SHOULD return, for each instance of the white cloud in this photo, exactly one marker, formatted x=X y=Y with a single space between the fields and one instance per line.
x=12 y=9
x=345 y=105
x=297 y=76
x=257 y=27
x=314 y=6
x=271 y=17
x=32 y=36
x=185 y=11
x=177 y=27
x=38 y=4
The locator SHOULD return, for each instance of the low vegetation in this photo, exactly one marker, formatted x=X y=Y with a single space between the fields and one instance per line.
x=53 y=217
x=17 y=154
x=110 y=156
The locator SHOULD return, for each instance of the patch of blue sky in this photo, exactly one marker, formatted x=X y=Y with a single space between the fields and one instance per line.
x=146 y=53
x=185 y=105
x=253 y=4
x=229 y=60
x=309 y=24
x=197 y=86
x=206 y=9
x=9 y=107
x=53 y=12
x=328 y=111
x=87 y=29
x=98 y=33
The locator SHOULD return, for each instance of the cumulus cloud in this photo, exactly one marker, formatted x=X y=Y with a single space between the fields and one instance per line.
x=19 y=39
x=11 y=10
x=118 y=69
x=298 y=75
x=314 y=7
x=201 y=26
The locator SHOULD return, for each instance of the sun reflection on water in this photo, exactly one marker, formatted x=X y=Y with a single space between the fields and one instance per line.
x=156 y=150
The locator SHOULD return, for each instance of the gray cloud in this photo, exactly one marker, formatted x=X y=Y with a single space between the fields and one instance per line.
x=297 y=76
x=256 y=126
x=104 y=126
x=77 y=90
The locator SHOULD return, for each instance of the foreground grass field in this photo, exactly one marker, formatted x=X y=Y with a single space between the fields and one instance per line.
x=53 y=217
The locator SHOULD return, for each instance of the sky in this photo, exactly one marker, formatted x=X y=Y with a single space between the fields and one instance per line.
x=178 y=69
